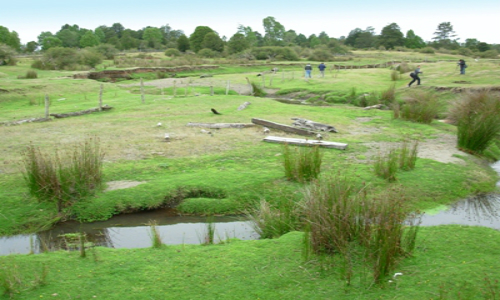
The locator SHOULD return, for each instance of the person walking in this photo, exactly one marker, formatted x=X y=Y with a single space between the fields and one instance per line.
x=322 y=68
x=462 y=65
x=308 y=69
x=415 y=77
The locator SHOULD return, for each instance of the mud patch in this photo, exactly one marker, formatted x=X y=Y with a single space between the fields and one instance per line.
x=122 y=184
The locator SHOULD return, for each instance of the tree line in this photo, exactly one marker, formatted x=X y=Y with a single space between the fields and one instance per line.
x=209 y=42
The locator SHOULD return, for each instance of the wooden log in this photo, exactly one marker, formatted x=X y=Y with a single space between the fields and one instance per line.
x=305 y=142
x=82 y=112
x=313 y=125
x=19 y=122
x=282 y=127
x=220 y=125
x=376 y=106
x=244 y=105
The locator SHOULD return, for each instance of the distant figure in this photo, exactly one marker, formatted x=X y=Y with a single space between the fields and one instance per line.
x=415 y=77
x=308 y=69
x=322 y=68
x=462 y=65
x=215 y=112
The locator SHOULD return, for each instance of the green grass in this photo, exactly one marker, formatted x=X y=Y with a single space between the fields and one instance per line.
x=448 y=259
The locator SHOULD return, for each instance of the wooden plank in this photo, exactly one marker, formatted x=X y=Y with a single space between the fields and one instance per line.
x=305 y=142
x=220 y=125
x=83 y=112
x=282 y=127
x=304 y=123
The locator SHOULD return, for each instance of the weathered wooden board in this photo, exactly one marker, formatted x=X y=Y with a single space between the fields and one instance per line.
x=305 y=142
x=244 y=105
x=220 y=125
x=282 y=127
x=19 y=122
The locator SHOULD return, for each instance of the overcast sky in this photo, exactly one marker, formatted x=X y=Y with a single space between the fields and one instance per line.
x=477 y=19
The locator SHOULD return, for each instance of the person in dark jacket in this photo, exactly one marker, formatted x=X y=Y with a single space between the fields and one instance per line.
x=322 y=68
x=308 y=69
x=462 y=65
x=415 y=77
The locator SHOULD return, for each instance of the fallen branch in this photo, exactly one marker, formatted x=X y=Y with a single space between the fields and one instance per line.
x=244 y=105
x=32 y=120
x=83 y=112
x=313 y=125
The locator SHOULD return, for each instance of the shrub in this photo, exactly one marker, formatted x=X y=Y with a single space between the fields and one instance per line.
x=31 y=74
x=489 y=54
x=65 y=179
x=172 y=52
x=420 y=107
x=302 y=164
x=107 y=50
x=388 y=96
x=207 y=53
x=428 y=50
x=321 y=55
x=7 y=55
x=386 y=166
x=272 y=221
x=57 y=58
x=395 y=75
x=477 y=116
x=275 y=53
x=90 y=57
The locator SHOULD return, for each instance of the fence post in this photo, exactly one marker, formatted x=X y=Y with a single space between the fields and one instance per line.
x=142 y=91
x=227 y=87
x=211 y=90
x=46 y=106
x=100 y=98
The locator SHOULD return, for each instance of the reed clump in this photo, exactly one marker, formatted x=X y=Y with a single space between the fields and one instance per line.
x=403 y=158
x=477 y=116
x=63 y=177
x=419 y=106
x=302 y=164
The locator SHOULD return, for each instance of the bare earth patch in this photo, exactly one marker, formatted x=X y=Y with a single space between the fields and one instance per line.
x=122 y=184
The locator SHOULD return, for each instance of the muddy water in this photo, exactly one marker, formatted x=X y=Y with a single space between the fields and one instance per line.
x=130 y=231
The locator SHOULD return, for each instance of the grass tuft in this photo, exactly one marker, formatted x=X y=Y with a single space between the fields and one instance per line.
x=302 y=164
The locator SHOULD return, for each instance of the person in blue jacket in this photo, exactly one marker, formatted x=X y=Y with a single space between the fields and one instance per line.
x=308 y=69
x=462 y=65
x=322 y=68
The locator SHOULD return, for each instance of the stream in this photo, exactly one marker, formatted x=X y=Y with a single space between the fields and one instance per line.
x=133 y=231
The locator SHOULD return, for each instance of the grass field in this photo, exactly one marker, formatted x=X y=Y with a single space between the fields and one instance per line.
x=244 y=170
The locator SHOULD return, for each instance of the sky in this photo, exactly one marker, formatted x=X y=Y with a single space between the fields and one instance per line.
x=477 y=19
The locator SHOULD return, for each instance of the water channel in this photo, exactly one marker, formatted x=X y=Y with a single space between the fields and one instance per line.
x=132 y=231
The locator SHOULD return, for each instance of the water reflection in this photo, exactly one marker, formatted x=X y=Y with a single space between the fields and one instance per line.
x=129 y=231
x=480 y=210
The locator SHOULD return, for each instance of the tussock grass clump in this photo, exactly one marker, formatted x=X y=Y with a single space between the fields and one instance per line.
x=395 y=75
x=274 y=220
x=14 y=281
x=420 y=107
x=387 y=165
x=477 y=116
x=65 y=178
x=388 y=96
x=154 y=234
x=302 y=164
x=341 y=219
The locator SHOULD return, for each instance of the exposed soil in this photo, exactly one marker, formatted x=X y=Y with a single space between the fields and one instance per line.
x=122 y=184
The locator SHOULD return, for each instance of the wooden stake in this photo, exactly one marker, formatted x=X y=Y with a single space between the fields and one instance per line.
x=46 y=106
x=228 y=83
x=211 y=90
x=100 y=97
x=142 y=92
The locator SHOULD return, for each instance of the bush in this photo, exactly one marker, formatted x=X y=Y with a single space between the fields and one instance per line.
x=107 y=50
x=388 y=96
x=428 y=50
x=207 y=53
x=321 y=55
x=489 y=54
x=172 y=52
x=90 y=57
x=7 y=55
x=31 y=74
x=420 y=107
x=477 y=116
x=275 y=53
x=57 y=58
x=395 y=75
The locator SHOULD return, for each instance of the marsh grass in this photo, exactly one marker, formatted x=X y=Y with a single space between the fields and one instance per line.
x=14 y=281
x=210 y=231
x=63 y=179
x=388 y=96
x=154 y=234
x=395 y=75
x=302 y=164
x=343 y=220
x=403 y=158
x=420 y=106
x=477 y=116
x=274 y=220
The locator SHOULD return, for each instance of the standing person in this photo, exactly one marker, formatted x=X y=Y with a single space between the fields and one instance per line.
x=462 y=65
x=415 y=77
x=322 y=68
x=308 y=69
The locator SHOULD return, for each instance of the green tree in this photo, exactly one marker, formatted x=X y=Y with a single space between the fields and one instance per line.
x=100 y=34
x=274 y=31
x=289 y=38
x=50 y=42
x=89 y=39
x=90 y=57
x=413 y=41
x=31 y=47
x=7 y=55
x=482 y=47
x=391 y=36
x=301 y=40
x=249 y=34
x=237 y=43
x=59 y=58
x=353 y=35
x=127 y=41
x=153 y=36
x=10 y=39
x=324 y=38
x=313 y=41
x=196 y=38
x=69 y=38
x=44 y=35
x=213 y=42
x=444 y=36
x=183 y=43
x=107 y=50
x=365 y=39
